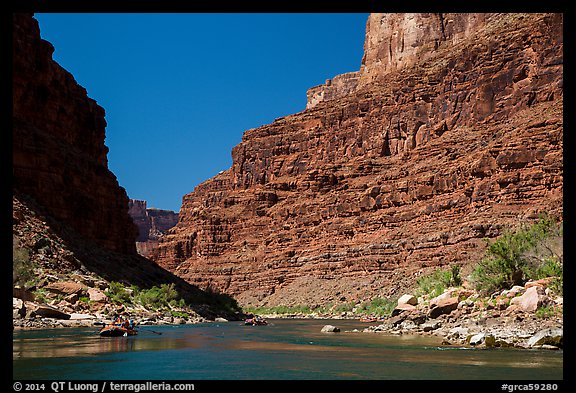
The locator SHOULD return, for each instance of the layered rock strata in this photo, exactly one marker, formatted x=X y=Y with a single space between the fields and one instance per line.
x=152 y=223
x=444 y=142
x=59 y=155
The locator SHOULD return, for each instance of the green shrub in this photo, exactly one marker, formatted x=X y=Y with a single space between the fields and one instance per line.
x=435 y=283
x=379 y=306
x=344 y=307
x=517 y=256
x=22 y=266
x=545 y=312
x=158 y=297
x=180 y=314
x=118 y=293
x=550 y=267
x=283 y=310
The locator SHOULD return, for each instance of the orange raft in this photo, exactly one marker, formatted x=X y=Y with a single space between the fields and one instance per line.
x=118 y=329
x=256 y=321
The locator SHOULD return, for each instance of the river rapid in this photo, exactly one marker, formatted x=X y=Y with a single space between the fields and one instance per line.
x=286 y=349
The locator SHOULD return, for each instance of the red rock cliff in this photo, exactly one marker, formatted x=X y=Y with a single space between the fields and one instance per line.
x=59 y=155
x=453 y=131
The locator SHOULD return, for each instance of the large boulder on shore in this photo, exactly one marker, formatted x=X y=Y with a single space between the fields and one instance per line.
x=66 y=287
x=548 y=336
x=408 y=299
x=44 y=310
x=443 y=306
x=96 y=295
x=533 y=298
x=401 y=307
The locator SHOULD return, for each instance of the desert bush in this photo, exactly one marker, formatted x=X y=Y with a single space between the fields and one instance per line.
x=155 y=298
x=379 y=306
x=22 y=265
x=118 y=293
x=515 y=257
x=438 y=281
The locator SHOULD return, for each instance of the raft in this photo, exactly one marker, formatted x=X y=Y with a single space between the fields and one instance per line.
x=255 y=322
x=117 y=331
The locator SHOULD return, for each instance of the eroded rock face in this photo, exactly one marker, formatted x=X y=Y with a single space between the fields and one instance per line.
x=400 y=40
x=338 y=87
x=353 y=197
x=59 y=155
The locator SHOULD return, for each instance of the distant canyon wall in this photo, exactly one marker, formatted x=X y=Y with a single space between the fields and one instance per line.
x=152 y=223
x=452 y=132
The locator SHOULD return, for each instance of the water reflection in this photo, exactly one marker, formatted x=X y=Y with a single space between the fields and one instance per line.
x=36 y=345
x=284 y=349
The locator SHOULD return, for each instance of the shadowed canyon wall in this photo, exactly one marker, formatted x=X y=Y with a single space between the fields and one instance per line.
x=59 y=155
x=69 y=214
x=451 y=130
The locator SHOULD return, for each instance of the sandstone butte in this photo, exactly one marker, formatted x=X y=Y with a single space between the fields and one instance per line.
x=450 y=131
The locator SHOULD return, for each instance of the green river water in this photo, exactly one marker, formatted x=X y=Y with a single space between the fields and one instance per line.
x=284 y=350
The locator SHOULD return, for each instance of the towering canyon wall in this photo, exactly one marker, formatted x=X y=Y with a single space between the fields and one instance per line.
x=68 y=212
x=59 y=155
x=453 y=132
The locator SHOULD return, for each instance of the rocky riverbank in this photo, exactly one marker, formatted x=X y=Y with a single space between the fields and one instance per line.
x=82 y=300
x=40 y=315
x=528 y=316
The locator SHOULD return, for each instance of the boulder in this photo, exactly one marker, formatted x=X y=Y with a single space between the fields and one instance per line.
x=443 y=296
x=430 y=325
x=400 y=308
x=18 y=308
x=44 y=310
x=330 y=329
x=96 y=295
x=477 y=339
x=458 y=332
x=418 y=317
x=23 y=294
x=548 y=336
x=543 y=282
x=531 y=300
x=408 y=299
x=78 y=316
x=514 y=291
x=443 y=306
x=65 y=287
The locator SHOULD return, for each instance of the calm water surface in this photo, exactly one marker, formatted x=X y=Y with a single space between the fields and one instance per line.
x=285 y=349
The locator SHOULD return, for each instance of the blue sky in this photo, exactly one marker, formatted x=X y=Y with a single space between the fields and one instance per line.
x=180 y=89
